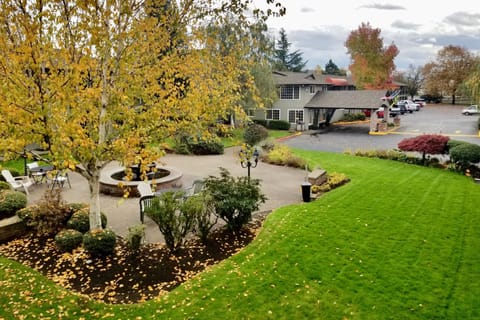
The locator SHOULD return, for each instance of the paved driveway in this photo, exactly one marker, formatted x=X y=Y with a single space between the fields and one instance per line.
x=433 y=119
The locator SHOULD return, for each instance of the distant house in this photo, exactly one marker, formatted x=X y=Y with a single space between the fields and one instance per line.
x=311 y=99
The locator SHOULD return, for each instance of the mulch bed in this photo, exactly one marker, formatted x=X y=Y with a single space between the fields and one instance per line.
x=126 y=276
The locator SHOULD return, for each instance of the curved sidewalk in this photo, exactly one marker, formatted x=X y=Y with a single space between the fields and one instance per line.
x=280 y=184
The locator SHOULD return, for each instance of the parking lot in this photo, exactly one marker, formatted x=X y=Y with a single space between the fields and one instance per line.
x=432 y=119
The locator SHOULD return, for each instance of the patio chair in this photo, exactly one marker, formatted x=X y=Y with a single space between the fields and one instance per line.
x=58 y=178
x=145 y=203
x=146 y=197
x=17 y=183
x=196 y=187
x=37 y=175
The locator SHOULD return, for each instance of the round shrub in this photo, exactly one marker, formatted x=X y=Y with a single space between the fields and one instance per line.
x=255 y=133
x=465 y=153
x=10 y=202
x=76 y=206
x=100 y=242
x=27 y=215
x=4 y=185
x=453 y=143
x=80 y=220
x=68 y=239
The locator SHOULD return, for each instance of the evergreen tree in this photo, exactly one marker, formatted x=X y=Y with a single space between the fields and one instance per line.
x=284 y=60
x=332 y=68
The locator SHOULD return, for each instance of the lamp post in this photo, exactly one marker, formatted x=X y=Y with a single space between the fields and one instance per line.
x=248 y=158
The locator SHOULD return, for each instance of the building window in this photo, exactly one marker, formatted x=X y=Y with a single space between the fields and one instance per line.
x=272 y=114
x=289 y=93
x=250 y=112
x=312 y=89
x=295 y=115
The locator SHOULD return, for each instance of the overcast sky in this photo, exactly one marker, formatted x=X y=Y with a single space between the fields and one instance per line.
x=418 y=28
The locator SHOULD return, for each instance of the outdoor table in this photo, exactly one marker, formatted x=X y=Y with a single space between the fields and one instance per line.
x=41 y=171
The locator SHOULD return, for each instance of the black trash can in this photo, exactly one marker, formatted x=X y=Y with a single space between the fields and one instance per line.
x=306 y=189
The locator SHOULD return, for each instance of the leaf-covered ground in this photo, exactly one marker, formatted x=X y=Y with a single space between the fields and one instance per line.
x=126 y=276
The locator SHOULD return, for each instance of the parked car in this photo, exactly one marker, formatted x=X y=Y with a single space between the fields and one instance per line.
x=410 y=105
x=420 y=101
x=473 y=109
x=432 y=98
x=398 y=108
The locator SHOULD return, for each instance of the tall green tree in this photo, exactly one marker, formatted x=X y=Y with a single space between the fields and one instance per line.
x=452 y=67
x=97 y=81
x=251 y=46
x=372 y=63
x=284 y=60
x=332 y=68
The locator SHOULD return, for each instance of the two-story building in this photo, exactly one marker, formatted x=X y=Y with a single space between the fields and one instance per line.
x=313 y=100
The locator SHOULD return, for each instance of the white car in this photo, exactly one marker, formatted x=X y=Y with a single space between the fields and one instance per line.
x=410 y=105
x=473 y=109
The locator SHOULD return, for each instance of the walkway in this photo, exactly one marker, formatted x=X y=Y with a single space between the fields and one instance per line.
x=280 y=184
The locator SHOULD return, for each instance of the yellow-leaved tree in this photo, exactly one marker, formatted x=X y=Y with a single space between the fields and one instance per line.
x=96 y=81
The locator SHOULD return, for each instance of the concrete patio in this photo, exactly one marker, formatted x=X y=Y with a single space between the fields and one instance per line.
x=280 y=184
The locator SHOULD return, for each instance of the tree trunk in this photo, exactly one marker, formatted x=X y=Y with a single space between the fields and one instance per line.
x=453 y=98
x=94 y=185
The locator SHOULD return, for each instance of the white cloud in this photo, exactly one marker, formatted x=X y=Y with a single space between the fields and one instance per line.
x=418 y=28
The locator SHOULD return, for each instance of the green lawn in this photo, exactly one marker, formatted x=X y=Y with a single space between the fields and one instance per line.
x=397 y=242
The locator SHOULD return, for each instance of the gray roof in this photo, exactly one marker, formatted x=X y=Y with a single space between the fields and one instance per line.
x=307 y=78
x=347 y=99
x=289 y=77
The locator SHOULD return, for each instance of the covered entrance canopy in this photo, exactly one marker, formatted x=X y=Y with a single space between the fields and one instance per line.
x=329 y=101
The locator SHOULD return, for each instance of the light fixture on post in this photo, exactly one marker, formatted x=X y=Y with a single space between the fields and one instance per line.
x=248 y=158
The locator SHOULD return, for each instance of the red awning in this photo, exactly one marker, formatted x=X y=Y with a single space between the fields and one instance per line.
x=336 y=81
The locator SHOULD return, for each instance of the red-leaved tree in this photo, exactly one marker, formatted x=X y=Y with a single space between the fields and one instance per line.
x=426 y=144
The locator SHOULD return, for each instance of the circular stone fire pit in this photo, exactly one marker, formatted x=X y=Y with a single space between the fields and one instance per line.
x=113 y=182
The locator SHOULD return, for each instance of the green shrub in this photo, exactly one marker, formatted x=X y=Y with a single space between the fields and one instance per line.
x=465 y=154
x=254 y=133
x=4 y=185
x=77 y=206
x=185 y=144
x=282 y=155
x=261 y=122
x=234 y=199
x=206 y=147
x=10 y=202
x=80 y=220
x=68 y=239
x=202 y=208
x=278 y=125
x=27 y=215
x=173 y=221
x=335 y=179
x=348 y=117
x=135 y=236
x=321 y=189
x=48 y=216
x=100 y=242
x=453 y=143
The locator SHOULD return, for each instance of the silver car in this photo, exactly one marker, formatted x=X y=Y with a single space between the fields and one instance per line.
x=473 y=109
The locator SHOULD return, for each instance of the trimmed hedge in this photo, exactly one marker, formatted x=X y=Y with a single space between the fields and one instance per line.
x=278 y=125
x=80 y=220
x=100 y=242
x=254 y=133
x=68 y=239
x=10 y=202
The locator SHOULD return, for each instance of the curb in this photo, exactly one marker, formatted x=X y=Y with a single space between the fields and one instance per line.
x=296 y=134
